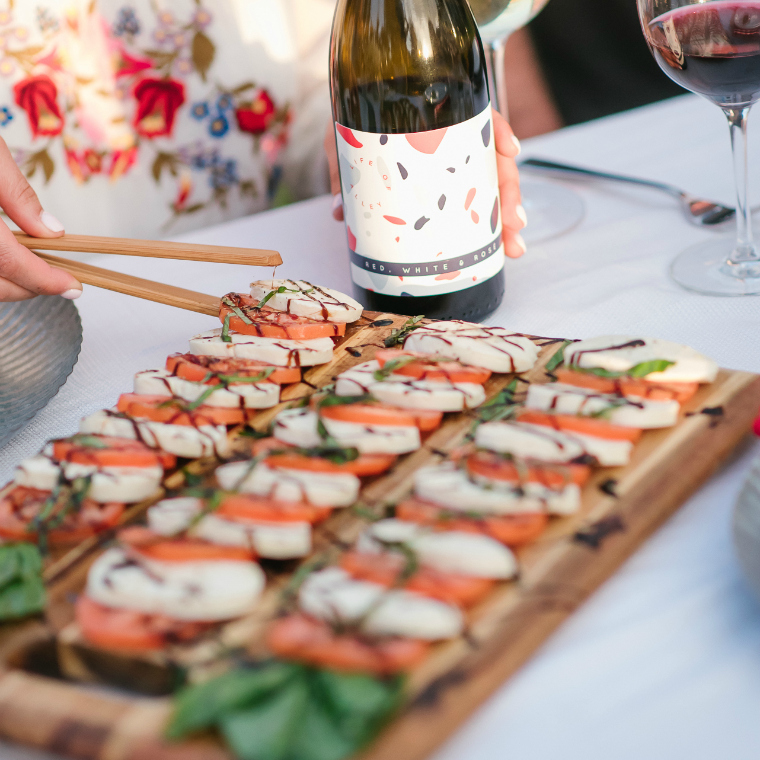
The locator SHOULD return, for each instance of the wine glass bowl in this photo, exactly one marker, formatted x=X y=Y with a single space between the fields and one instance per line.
x=712 y=48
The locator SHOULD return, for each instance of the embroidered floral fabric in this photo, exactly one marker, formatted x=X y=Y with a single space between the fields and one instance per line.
x=145 y=117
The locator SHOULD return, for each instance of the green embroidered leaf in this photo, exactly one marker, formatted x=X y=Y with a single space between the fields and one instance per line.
x=46 y=164
x=202 y=53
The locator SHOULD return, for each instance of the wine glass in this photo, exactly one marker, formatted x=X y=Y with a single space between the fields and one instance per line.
x=712 y=47
x=551 y=209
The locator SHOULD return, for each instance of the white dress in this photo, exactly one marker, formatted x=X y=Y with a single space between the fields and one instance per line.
x=146 y=118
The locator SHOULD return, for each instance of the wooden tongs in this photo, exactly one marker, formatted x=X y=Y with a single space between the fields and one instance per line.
x=136 y=286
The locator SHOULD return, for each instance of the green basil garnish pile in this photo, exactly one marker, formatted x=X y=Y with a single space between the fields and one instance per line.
x=284 y=711
x=639 y=370
x=398 y=336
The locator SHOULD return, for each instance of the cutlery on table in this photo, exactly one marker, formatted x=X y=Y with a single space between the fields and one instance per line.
x=697 y=210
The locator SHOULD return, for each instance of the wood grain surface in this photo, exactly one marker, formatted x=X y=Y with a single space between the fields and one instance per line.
x=558 y=572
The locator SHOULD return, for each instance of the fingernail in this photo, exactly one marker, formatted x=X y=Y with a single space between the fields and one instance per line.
x=51 y=222
x=517 y=145
x=71 y=294
x=520 y=242
x=521 y=215
x=337 y=204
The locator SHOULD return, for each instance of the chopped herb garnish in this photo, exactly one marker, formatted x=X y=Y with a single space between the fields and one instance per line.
x=639 y=370
x=226 y=330
x=331 y=399
x=282 y=289
x=399 y=335
x=559 y=357
x=237 y=311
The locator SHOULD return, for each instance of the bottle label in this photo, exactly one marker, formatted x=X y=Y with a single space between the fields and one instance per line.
x=422 y=209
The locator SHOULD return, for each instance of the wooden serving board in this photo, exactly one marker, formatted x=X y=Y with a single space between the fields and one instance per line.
x=620 y=508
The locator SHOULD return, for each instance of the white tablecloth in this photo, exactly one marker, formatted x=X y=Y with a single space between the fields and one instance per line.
x=664 y=661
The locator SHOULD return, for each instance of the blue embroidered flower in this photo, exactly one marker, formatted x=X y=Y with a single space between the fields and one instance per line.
x=5 y=116
x=224 y=102
x=223 y=174
x=199 y=110
x=219 y=126
x=126 y=22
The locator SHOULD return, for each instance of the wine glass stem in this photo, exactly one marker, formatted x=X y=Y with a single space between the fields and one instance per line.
x=745 y=247
x=494 y=50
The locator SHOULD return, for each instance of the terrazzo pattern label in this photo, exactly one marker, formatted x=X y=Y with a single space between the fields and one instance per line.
x=422 y=209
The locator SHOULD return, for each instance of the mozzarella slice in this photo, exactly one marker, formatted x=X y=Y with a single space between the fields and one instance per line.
x=407 y=393
x=181 y=440
x=449 y=486
x=299 y=428
x=529 y=441
x=323 y=489
x=619 y=353
x=125 y=485
x=274 y=351
x=306 y=300
x=216 y=590
x=448 y=551
x=160 y=382
x=494 y=348
x=270 y=540
x=619 y=410
x=333 y=595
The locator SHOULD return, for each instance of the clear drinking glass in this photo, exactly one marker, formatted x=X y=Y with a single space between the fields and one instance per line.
x=551 y=208
x=712 y=48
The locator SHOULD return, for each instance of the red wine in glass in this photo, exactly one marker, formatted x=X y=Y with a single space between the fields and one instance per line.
x=712 y=49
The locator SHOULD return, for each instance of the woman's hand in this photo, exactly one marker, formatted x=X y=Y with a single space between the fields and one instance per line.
x=513 y=217
x=22 y=274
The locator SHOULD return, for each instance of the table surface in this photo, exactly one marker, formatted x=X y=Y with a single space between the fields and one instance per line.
x=664 y=660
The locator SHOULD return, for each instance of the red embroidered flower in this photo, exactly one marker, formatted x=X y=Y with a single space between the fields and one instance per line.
x=93 y=161
x=157 y=103
x=255 y=117
x=37 y=96
x=121 y=162
x=126 y=65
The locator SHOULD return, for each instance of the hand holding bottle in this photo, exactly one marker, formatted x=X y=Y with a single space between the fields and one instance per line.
x=507 y=149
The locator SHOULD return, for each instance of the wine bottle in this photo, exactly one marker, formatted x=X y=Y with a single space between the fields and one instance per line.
x=417 y=158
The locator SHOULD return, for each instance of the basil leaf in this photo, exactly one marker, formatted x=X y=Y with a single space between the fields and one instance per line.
x=646 y=368
x=334 y=454
x=558 y=358
x=237 y=311
x=332 y=400
x=267 y=731
x=201 y=706
x=399 y=335
x=319 y=736
x=88 y=441
x=226 y=330
x=22 y=591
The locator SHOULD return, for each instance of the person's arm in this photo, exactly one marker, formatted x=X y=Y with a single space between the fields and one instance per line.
x=22 y=274
x=532 y=110
x=512 y=213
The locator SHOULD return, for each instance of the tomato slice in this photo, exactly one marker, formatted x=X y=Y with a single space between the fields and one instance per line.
x=173 y=411
x=377 y=414
x=107 y=451
x=298 y=637
x=424 y=369
x=206 y=369
x=569 y=423
x=628 y=386
x=494 y=466
x=19 y=507
x=386 y=569
x=269 y=323
x=247 y=507
x=113 y=628
x=162 y=549
x=286 y=456
x=512 y=530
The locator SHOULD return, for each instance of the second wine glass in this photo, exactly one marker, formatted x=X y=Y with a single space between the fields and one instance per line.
x=551 y=208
